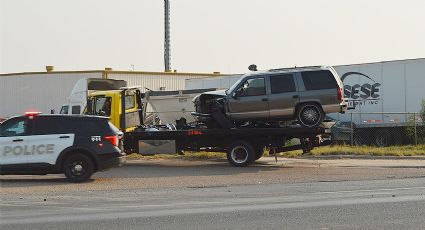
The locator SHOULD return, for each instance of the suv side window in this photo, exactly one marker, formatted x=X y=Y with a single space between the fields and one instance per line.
x=14 y=127
x=282 y=83
x=252 y=87
x=47 y=125
x=321 y=79
x=86 y=127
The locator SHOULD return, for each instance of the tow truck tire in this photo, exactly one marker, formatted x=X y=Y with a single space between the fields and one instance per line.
x=310 y=115
x=240 y=154
x=78 y=167
x=259 y=151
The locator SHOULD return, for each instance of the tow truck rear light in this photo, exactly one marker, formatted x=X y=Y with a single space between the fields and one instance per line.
x=194 y=132
x=112 y=139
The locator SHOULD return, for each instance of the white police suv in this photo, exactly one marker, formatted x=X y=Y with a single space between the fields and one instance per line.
x=44 y=144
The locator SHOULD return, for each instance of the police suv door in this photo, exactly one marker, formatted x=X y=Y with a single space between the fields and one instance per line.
x=13 y=139
x=48 y=139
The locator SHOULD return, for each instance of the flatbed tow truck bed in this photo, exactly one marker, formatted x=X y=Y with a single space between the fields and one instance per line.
x=243 y=145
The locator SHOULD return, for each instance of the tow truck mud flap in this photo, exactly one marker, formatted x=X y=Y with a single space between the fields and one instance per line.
x=152 y=147
x=222 y=120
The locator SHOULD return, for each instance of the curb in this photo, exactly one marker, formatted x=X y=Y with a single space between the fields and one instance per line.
x=365 y=157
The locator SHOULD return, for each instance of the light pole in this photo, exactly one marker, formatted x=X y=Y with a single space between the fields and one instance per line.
x=167 y=51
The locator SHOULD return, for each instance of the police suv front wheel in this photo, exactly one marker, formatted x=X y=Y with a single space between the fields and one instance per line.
x=78 y=167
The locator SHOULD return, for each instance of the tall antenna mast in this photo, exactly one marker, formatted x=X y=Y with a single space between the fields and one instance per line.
x=167 y=51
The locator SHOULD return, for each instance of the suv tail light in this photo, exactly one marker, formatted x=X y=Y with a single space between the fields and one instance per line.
x=112 y=139
x=339 y=94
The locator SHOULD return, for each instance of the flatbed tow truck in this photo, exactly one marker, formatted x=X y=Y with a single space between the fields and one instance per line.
x=243 y=145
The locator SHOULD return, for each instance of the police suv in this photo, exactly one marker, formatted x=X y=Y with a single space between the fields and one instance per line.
x=75 y=145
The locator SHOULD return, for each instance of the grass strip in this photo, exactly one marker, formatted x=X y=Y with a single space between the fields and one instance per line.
x=407 y=150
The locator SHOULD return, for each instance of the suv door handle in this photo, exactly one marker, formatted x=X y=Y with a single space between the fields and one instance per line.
x=295 y=96
x=18 y=140
x=64 y=137
x=264 y=99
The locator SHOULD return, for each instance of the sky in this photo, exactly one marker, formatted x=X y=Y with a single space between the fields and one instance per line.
x=206 y=35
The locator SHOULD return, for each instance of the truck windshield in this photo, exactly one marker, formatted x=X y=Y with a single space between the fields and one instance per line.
x=64 y=109
x=102 y=106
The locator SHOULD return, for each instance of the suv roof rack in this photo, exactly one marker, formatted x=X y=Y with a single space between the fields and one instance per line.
x=296 y=68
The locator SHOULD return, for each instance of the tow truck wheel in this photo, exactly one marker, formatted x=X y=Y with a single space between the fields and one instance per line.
x=78 y=167
x=240 y=153
x=310 y=115
x=259 y=151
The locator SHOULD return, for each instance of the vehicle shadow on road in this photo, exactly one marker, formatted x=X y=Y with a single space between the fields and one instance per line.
x=17 y=181
x=149 y=169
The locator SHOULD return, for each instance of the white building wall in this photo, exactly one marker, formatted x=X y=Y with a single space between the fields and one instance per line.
x=222 y=82
x=37 y=91
x=156 y=81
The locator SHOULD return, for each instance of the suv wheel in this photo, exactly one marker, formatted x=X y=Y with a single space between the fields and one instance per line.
x=310 y=115
x=78 y=167
x=240 y=153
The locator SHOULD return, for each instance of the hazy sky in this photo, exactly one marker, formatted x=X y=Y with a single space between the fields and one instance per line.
x=207 y=35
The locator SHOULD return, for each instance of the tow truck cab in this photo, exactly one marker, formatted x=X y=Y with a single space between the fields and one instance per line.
x=124 y=107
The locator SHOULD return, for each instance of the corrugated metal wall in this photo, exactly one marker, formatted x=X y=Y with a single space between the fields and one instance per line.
x=155 y=81
x=39 y=91
x=222 y=82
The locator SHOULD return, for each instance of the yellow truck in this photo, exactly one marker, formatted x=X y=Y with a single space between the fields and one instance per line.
x=123 y=106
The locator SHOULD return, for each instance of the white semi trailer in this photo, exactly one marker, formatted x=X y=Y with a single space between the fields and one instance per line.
x=387 y=97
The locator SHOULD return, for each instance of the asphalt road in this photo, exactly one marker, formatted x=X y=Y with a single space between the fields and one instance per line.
x=337 y=194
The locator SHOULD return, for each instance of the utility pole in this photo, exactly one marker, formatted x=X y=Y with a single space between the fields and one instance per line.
x=167 y=51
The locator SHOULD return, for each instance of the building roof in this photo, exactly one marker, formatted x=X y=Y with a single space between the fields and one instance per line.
x=116 y=72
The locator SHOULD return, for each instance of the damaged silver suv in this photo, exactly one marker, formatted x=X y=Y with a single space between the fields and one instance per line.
x=304 y=93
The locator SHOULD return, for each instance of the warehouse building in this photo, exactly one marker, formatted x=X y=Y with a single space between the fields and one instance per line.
x=46 y=91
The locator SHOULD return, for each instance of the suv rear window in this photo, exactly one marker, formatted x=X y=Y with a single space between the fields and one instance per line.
x=322 y=79
x=283 y=83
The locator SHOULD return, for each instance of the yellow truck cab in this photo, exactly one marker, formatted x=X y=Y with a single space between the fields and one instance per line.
x=123 y=107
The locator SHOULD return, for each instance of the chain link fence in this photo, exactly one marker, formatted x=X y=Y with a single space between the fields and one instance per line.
x=380 y=129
